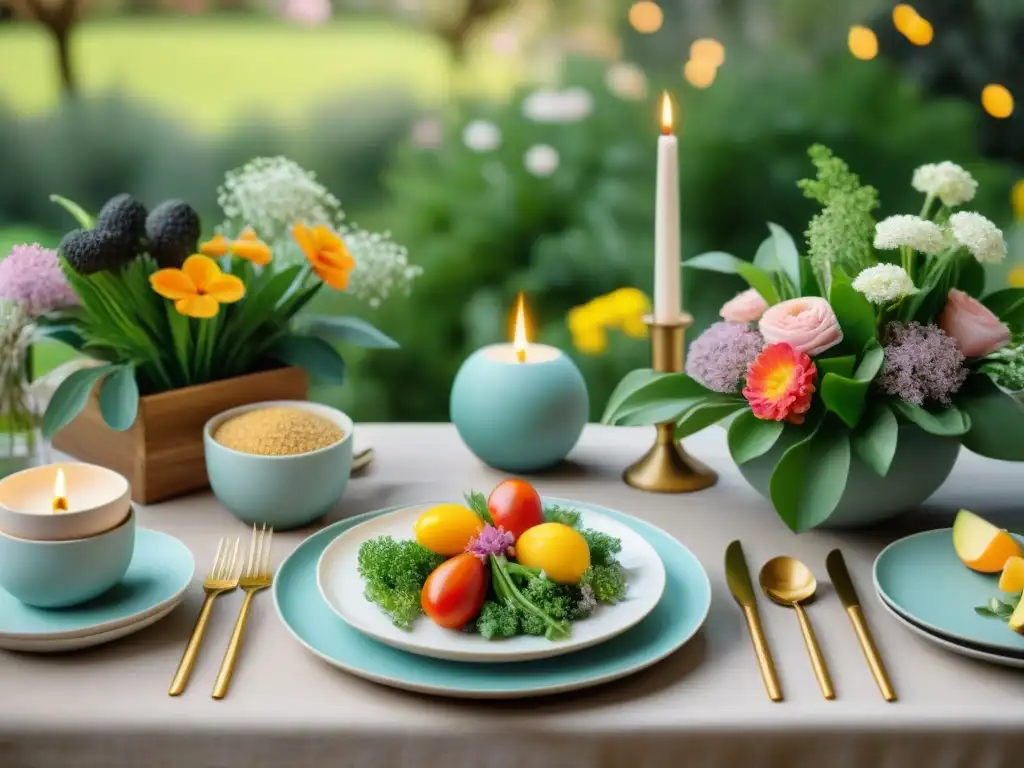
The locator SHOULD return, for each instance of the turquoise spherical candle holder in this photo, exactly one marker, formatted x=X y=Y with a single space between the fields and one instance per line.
x=519 y=414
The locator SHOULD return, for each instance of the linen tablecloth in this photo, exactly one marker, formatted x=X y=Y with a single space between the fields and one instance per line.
x=705 y=706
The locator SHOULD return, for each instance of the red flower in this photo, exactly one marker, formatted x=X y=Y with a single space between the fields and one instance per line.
x=780 y=383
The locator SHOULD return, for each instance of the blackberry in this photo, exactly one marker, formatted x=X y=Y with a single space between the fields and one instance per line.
x=92 y=251
x=124 y=216
x=172 y=229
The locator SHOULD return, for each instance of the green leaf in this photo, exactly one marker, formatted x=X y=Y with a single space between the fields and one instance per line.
x=855 y=313
x=786 y=253
x=181 y=338
x=996 y=419
x=841 y=366
x=871 y=363
x=630 y=384
x=705 y=414
x=349 y=330
x=66 y=334
x=983 y=611
x=811 y=476
x=949 y=422
x=119 y=398
x=750 y=437
x=313 y=354
x=844 y=397
x=70 y=397
x=875 y=442
x=757 y=278
x=1008 y=306
x=661 y=389
x=84 y=219
x=656 y=412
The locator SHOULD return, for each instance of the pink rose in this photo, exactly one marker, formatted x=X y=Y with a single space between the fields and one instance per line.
x=976 y=331
x=807 y=324
x=745 y=307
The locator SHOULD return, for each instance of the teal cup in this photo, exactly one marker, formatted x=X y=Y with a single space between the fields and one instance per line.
x=285 y=492
x=519 y=416
x=60 y=574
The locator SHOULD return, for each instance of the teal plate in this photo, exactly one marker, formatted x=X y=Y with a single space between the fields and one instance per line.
x=922 y=578
x=675 y=620
x=158 y=575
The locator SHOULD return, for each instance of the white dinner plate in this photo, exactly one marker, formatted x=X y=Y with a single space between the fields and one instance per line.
x=971 y=652
x=342 y=589
x=78 y=642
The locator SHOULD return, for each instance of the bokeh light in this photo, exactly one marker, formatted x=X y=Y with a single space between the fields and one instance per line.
x=903 y=17
x=863 y=43
x=921 y=32
x=646 y=17
x=917 y=29
x=1017 y=200
x=709 y=51
x=699 y=74
x=997 y=100
x=1016 y=277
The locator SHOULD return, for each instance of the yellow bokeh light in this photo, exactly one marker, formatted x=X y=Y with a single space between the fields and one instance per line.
x=904 y=17
x=646 y=17
x=1016 y=277
x=1017 y=199
x=699 y=74
x=708 y=51
x=921 y=32
x=997 y=100
x=863 y=43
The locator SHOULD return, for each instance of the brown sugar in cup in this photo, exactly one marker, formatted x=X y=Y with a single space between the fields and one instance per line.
x=278 y=431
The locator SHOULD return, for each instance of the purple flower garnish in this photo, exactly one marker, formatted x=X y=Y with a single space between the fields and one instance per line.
x=922 y=364
x=720 y=356
x=31 y=276
x=491 y=541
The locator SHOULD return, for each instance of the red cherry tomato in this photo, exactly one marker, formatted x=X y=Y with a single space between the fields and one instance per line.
x=515 y=506
x=455 y=592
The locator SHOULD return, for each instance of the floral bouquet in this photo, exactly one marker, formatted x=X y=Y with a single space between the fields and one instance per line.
x=835 y=357
x=161 y=310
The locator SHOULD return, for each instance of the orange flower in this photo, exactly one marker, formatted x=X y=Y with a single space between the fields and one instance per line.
x=198 y=288
x=247 y=246
x=327 y=253
x=780 y=383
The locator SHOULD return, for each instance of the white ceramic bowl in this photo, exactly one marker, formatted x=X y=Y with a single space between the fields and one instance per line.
x=99 y=500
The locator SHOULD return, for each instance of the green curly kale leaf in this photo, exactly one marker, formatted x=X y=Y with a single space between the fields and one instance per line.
x=499 y=620
x=841 y=236
x=603 y=548
x=394 y=572
x=606 y=582
x=556 y=514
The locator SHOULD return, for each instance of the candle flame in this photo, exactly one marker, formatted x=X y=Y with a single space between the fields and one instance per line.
x=666 y=114
x=519 y=339
x=60 y=492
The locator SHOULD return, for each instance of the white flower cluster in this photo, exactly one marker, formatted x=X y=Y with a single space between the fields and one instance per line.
x=884 y=283
x=541 y=160
x=909 y=232
x=481 y=136
x=272 y=194
x=978 y=235
x=947 y=181
x=569 y=106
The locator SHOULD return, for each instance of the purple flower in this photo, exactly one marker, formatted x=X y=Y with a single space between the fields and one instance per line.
x=31 y=275
x=921 y=364
x=491 y=541
x=720 y=356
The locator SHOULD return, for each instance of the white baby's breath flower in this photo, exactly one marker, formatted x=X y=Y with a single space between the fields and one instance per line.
x=382 y=266
x=567 y=106
x=947 y=181
x=627 y=81
x=978 y=235
x=884 y=283
x=909 y=232
x=541 y=160
x=481 y=136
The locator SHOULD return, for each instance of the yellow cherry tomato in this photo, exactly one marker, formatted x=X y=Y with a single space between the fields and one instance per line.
x=447 y=528
x=558 y=550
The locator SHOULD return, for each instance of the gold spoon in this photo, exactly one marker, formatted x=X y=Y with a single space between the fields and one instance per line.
x=362 y=460
x=789 y=582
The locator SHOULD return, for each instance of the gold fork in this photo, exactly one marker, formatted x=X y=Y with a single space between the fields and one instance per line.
x=255 y=577
x=223 y=578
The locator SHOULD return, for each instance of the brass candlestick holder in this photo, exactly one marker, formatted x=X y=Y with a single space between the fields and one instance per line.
x=666 y=467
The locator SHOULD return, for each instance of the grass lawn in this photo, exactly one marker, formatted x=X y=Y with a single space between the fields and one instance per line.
x=216 y=71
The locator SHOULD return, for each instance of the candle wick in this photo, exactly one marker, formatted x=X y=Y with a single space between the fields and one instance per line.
x=60 y=504
x=521 y=355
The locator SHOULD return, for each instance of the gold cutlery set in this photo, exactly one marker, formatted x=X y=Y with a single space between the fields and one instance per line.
x=229 y=573
x=790 y=583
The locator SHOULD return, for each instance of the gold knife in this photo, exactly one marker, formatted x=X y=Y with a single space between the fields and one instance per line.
x=843 y=585
x=737 y=575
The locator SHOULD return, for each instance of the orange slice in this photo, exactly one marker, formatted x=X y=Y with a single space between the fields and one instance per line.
x=1012 y=578
x=982 y=546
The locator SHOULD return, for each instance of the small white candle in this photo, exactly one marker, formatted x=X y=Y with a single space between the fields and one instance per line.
x=667 y=266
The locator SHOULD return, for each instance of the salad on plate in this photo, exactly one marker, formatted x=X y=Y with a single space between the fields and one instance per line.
x=499 y=566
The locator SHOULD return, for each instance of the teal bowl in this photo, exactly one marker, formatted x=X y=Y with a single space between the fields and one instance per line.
x=285 y=492
x=60 y=574
x=519 y=417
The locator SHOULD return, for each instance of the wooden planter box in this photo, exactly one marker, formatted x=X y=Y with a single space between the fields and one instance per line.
x=162 y=453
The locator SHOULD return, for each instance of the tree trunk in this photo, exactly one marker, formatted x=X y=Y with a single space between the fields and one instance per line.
x=62 y=39
x=59 y=20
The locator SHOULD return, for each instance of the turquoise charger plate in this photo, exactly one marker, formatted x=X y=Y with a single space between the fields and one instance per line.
x=922 y=578
x=675 y=620
x=159 y=573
